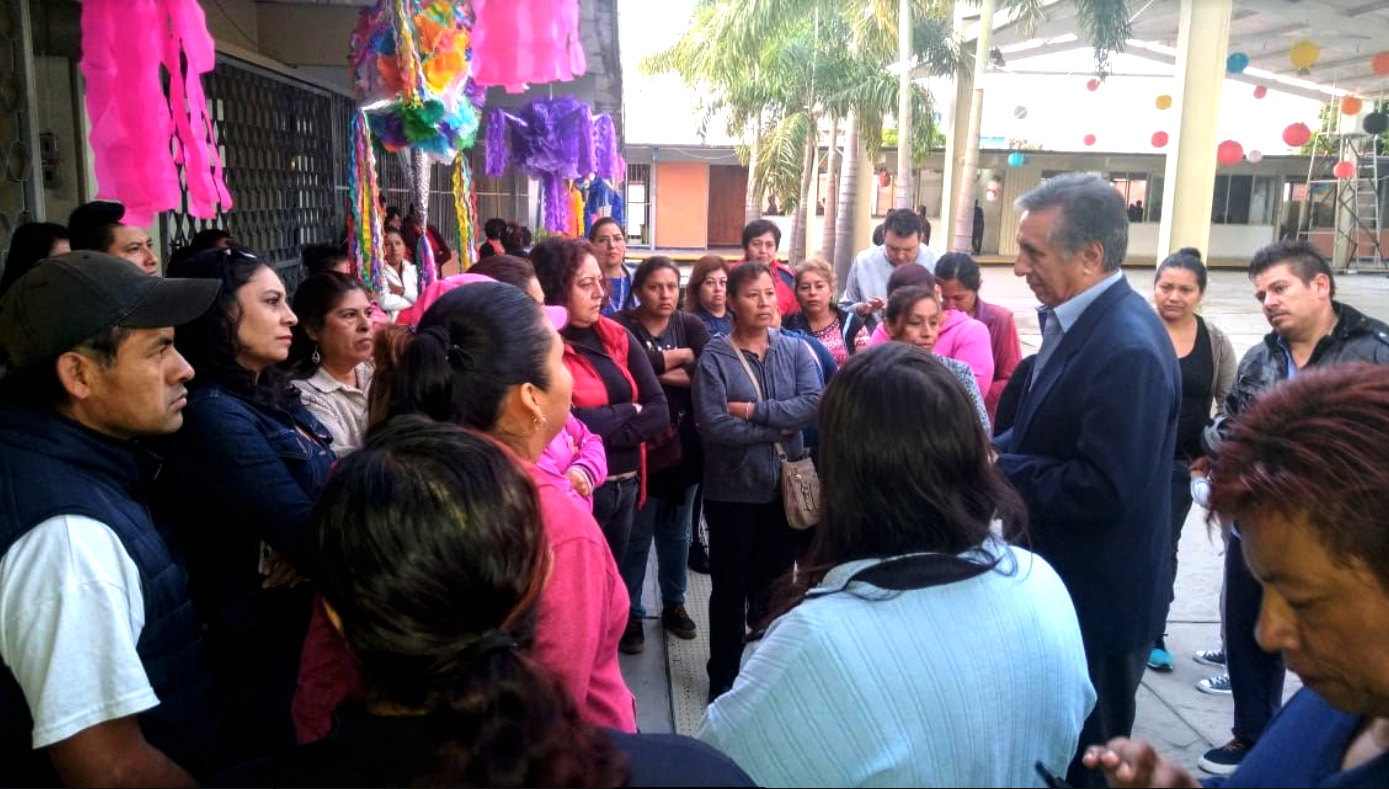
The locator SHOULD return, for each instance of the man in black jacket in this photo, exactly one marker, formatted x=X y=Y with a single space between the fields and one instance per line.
x=1296 y=289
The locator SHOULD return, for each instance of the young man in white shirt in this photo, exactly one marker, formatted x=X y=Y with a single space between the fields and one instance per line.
x=102 y=682
x=865 y=289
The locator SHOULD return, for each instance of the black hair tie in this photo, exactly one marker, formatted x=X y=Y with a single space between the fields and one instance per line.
x=461 y=359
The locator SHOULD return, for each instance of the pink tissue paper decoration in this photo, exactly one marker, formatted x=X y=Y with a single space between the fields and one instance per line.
x=139 y=136
x=520 y=42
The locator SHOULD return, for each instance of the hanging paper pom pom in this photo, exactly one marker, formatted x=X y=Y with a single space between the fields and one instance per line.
x=1016 y=159
x=1237 y=62
x=1089 y=139
x=1297 y=135
x=1254 y=157
x=1093 y=85
x=1344 y=170
x=1160 y=139
x=1379 y=64
x=1260 y=91
x=1164 y=102
x=1351 y=105
x=1375 y=123
x=1229 y=152
x=609 y=162
x=1304 y=54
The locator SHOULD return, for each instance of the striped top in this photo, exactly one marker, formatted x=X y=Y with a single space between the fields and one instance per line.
x=968 y=684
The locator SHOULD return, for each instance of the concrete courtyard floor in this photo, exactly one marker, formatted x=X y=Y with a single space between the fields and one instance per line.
x=668 y=678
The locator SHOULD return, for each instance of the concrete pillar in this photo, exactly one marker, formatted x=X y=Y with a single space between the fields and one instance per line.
x=1017 y=181
x=1203 y=36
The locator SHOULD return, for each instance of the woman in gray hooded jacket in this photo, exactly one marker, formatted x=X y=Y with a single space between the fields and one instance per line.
x=753 y=388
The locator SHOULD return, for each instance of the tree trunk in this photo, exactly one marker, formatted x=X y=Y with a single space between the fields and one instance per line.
x=962 y=237
x=828 y=229
x=844 y=242
x=906 y=191
x=752 y=203
x=800 y=223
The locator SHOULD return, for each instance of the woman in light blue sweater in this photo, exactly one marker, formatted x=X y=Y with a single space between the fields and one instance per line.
x=919 y=648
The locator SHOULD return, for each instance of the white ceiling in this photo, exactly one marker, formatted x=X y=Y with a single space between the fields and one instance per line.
x=1349 y=33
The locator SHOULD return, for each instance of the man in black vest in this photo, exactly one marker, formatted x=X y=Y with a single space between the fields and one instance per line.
x=103 y=681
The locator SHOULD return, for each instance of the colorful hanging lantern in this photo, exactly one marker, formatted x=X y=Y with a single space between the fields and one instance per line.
x=1344 y=170
x=1160 y=139
x=1254 y=157
x=1296 y=135
x=1089 y=139
x=1016 y=159
x=1351 y=105
x=552 y=140
x=1164 y=102
x=1260 y=91
x=1379 y=64
x=1304 y=54
x=1237 y=62
x=1093 y=85
x=1019 y=112
x=1375 y=123
x=1229 y=152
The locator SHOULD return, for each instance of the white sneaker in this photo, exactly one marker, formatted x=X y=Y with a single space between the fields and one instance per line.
x=1218 y=685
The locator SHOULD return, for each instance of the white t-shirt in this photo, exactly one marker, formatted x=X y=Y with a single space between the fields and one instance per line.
x=71 y=612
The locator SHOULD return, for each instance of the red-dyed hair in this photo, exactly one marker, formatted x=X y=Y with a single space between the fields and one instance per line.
x=1315 y=447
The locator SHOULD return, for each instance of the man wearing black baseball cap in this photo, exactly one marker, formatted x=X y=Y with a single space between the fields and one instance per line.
x=104 y=681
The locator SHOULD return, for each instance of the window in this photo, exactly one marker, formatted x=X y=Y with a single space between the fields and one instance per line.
x=1245 y=200
x=1134 y=189
x=638 y=199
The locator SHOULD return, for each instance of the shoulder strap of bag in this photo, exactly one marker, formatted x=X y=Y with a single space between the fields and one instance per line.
x=756 y=387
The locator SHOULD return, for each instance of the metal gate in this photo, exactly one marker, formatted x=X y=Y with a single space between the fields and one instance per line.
x=284 y=145
x=19 y=189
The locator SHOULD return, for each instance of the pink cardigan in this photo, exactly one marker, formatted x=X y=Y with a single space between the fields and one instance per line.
x=575 y=447
x=579 y=620
x=961 y=337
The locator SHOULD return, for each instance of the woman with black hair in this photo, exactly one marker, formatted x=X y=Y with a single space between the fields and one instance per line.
x=754 y=389
x=609 y=242
x=250 y=459
x=912 y=646
x=616 y=392
x=330 y=358
x=30 y=243
x=431 y=557
x=673 y=341
x=488 y=357
x=1208 y=361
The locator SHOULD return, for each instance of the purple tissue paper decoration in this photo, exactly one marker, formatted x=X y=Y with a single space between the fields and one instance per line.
x=497 y=149
x=607 y=158
x=550 y=140
x=586 y=155
x=556 y=203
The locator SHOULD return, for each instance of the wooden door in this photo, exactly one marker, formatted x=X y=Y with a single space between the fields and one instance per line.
x=728 y=186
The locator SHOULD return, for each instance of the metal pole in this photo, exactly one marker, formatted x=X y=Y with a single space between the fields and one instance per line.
x=905 y=166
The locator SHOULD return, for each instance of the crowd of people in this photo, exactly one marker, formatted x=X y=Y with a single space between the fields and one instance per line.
x=250 y=536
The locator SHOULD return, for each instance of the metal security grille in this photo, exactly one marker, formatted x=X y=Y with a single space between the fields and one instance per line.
x=283 y=144
x=18 y=190
x=395 y=185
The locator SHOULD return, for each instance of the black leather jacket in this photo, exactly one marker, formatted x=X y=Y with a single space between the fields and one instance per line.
x=1356 y=338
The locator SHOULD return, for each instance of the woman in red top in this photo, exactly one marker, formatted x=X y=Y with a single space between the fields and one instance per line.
x=616 y=393
x=485 y=356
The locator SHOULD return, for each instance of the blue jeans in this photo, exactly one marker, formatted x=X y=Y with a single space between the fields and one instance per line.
x=1256 y=676
x=668 y=521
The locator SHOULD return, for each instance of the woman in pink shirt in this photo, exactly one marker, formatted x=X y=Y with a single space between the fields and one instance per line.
x=961 y=337
x=485 y=356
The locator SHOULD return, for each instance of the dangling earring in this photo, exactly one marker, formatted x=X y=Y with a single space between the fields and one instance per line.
x=316 y=358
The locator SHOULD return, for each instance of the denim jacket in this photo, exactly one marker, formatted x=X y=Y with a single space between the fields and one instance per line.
x=247 y=475
x=740 y=464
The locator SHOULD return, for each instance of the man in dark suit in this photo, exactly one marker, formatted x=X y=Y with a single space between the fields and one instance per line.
x=1094 y=435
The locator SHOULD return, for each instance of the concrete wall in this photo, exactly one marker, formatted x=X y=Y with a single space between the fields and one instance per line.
x=234 y=22
x=59 y=116
x=682 y=204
